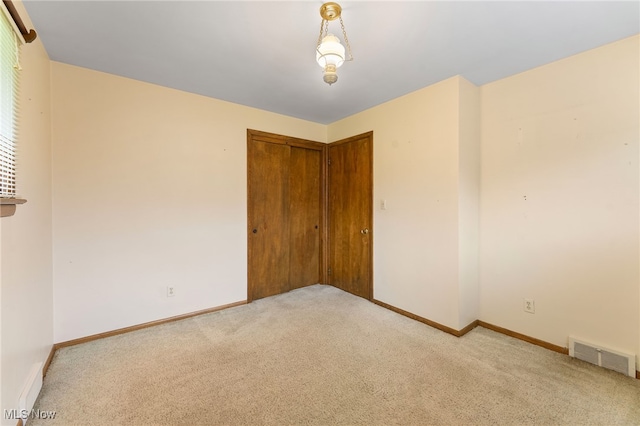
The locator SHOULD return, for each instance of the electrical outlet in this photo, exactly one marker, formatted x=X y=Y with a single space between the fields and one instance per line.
x=171 y=291
x=530 y=306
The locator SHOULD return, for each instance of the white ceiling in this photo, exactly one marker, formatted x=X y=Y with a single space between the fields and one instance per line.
x=262 y=53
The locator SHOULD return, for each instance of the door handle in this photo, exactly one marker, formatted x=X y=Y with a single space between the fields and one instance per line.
x=364 y=231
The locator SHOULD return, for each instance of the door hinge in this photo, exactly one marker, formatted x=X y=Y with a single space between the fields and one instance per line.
x=329 y=271
x=329 y=161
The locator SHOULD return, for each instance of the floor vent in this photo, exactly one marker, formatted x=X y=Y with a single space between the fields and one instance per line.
x=613 y=360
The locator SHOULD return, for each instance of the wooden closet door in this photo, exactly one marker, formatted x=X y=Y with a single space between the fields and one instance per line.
x=305 y=197
x=285 y=213
x=268 y=219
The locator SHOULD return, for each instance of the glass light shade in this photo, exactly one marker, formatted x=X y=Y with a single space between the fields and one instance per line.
x=330 y=52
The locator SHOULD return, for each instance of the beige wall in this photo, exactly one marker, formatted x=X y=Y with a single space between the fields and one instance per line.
x=559 y=199
x=565 y=136
x=469 y=199
x=417 y=159
x=26 y=292
x=149 y=189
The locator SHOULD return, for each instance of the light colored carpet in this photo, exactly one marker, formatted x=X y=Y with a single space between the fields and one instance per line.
x=321 y=356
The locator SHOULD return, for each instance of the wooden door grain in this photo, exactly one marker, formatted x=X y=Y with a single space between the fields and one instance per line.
x=268 y=219
x=305 y=197
x=286 y=199
x=350 y=214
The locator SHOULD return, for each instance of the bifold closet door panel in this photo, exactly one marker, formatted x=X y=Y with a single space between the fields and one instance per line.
x=305 y=197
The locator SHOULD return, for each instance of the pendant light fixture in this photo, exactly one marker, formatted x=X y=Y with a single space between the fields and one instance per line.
x=330 y=54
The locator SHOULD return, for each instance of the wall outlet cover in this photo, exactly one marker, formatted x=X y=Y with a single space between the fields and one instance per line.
x=530 y=306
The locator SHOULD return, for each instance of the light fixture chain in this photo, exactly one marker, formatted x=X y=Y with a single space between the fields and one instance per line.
x=320 y=36
x=346 y=40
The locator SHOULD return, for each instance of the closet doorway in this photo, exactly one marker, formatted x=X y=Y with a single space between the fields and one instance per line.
x=310 y=214
x=286 y=220
x=350 y=215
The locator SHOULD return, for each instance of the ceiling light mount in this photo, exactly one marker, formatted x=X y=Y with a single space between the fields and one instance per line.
x=330 y=11
x=330 y=53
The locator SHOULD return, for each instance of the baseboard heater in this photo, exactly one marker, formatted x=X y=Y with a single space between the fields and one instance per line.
x=30 y=391
x=621 y=362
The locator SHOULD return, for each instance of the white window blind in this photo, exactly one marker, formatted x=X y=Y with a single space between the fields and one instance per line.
x=9 y=67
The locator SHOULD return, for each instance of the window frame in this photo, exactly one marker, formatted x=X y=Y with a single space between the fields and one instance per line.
x=9 y=202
